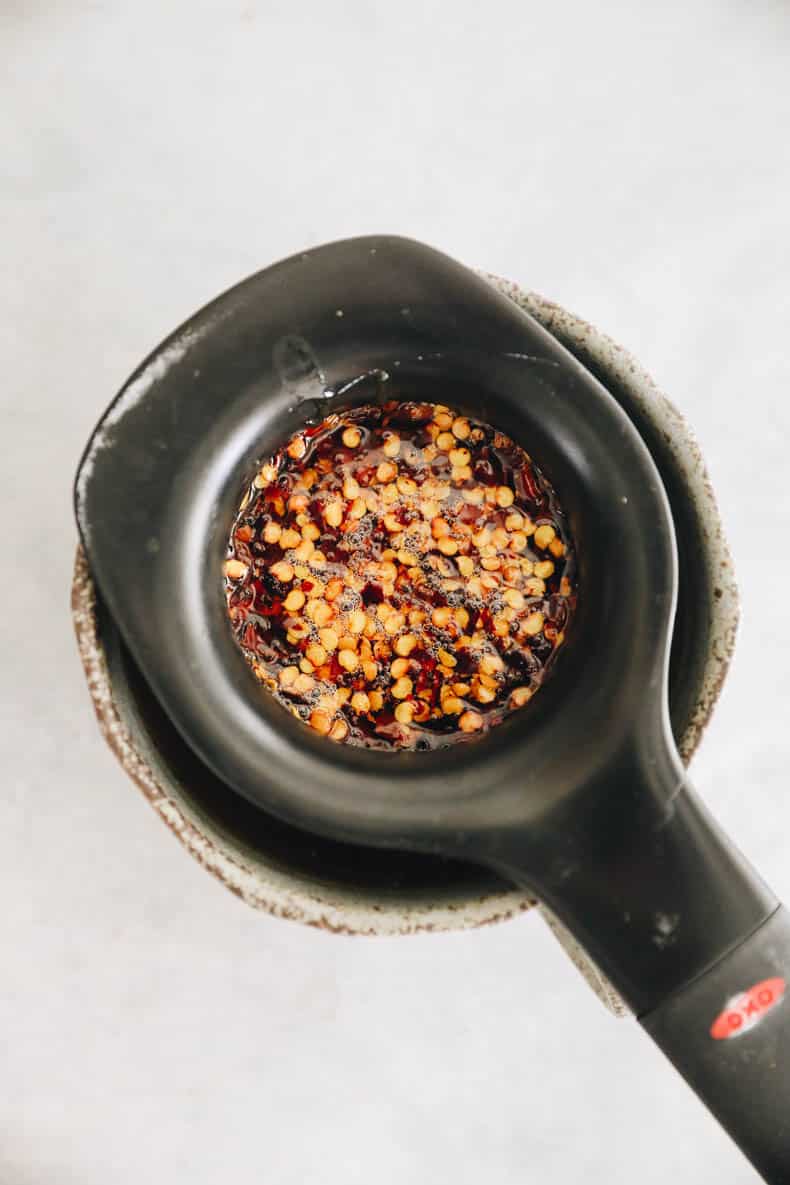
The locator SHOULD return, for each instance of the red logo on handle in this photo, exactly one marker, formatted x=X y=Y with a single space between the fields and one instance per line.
x=746 y=1010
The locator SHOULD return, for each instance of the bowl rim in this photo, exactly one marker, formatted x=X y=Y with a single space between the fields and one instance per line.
x=349 y=911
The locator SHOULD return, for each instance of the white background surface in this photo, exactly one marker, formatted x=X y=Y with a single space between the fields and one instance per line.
x=632 y=165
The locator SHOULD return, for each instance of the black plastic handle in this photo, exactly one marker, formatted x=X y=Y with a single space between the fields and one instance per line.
x=685 y=930
x=728 y=1034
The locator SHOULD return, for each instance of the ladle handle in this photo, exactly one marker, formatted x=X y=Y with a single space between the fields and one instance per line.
x=728 y=1034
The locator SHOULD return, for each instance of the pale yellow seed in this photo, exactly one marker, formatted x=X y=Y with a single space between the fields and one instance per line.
x=443 y=420
x=401 y=688
x=386 y=471
x=405 y=644
x=461 y=473
x=288 y=676
x=544 y=569
x=319 y=612
x=346 y=642
x=333 y=513
x=321 y=722
x=348 y=659
x=470 y=722
x=357 y=620
x=294 y=601
x=544 y=535
x=339 y=730
x=557 y=548
x=490 y=664
x=404 y=713
x=501 y=626
x=360 y=701
x=235 y=569
x=482 y=538
x=474 y=496
x=305 y=550
x=392 y=524
x=429 y=509
x=391 y=446
x=298 y=502
x=289 y=538
x=445 y=441
x=447 y=546
x=297 y=448
x=441 y=616
x=370 y=670
x=520 y=695
x=266 y=475
x=399 y=667
x=459 y=457
x=306 y=666
x=394 y=622
x=282 y=571
x=447 y=658
x=376 y=701
x=358 y=509
x=461 y=428
x=310 y=531
x=439 y=527
x=505 y=496
x=272 y=532
x=534 y=587
x=408 y=558
x=350 y=488
x=483 y=694
x=329 y=639
x=513 y=598
x=491 y=563
x=452 y=705
x=351 y=437
x=514 y=521
x=417 y=617
x=533 y=624
x=518 y=541
x=466 y=565
x=461 y=616
x=388 y=571
x=316 y=653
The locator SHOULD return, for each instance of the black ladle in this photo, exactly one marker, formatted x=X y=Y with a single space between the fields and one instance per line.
x=581 y=796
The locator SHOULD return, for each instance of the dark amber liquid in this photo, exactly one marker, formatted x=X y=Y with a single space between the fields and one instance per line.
x=496 y=665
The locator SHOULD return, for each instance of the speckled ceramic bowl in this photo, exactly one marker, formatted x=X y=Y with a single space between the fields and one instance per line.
x=351 y=890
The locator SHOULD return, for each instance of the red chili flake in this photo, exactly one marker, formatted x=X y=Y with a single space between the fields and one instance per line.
x=279 y=638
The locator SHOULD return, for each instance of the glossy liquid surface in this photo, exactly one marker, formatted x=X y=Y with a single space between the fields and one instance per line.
x=400 y=576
